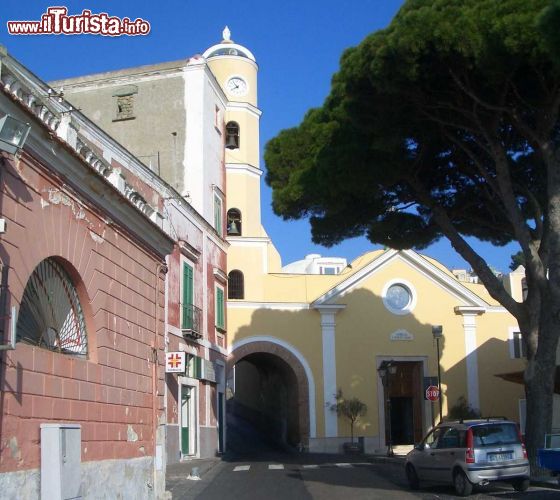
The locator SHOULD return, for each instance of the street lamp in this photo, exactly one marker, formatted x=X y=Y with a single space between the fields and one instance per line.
x=13 y=134
x=437 y=332
x=385 y=370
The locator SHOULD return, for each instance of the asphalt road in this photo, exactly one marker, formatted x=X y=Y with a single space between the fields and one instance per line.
x=277 y=476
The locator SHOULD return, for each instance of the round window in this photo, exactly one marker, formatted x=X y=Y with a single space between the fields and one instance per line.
x=399 y=297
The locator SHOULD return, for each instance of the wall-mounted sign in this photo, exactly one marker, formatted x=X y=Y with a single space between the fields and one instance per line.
x=174 y=362
x=401 y=335
x=208 y=371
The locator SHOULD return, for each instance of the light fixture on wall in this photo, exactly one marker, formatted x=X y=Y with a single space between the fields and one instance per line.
x=437 y=333
x=13 y=134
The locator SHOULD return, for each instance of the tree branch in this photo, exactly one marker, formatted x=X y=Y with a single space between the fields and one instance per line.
x=494 y=286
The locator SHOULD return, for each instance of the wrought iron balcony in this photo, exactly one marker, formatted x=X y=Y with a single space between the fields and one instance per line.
x=192 y=321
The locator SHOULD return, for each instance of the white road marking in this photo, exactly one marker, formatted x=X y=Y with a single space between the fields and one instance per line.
x=241 y=468
x=344 y=464
x=310 y=466
x=275 y=467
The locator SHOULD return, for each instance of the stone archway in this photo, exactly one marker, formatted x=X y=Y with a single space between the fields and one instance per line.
x=251 y=349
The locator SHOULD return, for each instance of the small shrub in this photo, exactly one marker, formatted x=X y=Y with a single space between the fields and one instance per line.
x=462 y=410
x=352 y=409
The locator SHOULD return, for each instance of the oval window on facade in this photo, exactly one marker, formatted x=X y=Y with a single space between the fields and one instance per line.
x=50 y=314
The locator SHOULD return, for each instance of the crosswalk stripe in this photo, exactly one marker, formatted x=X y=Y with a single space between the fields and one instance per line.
x=275 y=466
x=241 y=468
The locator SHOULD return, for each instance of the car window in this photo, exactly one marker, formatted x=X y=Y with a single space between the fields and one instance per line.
x=495 y=434
x=432 y=439
x=450 y=439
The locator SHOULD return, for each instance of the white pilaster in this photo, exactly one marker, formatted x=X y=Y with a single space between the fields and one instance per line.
x=328 y=329
x=469 y=328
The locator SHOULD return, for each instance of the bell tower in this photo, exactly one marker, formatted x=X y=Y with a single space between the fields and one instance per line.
x=235 y=69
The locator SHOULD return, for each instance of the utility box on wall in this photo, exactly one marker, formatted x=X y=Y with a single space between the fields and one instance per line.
x=61 y=461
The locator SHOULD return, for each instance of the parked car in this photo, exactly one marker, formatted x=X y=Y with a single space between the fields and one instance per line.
x=470 y=452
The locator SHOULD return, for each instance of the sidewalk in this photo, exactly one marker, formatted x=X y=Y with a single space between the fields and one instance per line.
x=185 y=478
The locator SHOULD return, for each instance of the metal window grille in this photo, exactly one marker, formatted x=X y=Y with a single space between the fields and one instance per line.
x=50 y=312
x=236 y=285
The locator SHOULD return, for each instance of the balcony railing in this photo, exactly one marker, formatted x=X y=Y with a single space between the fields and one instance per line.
x=192 y=321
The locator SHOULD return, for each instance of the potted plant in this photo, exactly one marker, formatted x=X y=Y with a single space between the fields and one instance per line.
x=352 y=409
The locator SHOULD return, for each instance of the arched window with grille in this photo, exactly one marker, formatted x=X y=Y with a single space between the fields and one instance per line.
x=233 y=222
x=236 y=285
x=50 y=314
x=232 y=135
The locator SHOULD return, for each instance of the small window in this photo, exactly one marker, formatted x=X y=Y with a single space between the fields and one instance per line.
x=193 y=366
x=220 y=312
x=50 y=314
x=236 y=285
x=234 y=222
x=524 y=289
x=217 y=120
x=329 y=270
x=125 y=107
x=187 y=316
x=232 y=135
x=519 y=346
x=218 y=214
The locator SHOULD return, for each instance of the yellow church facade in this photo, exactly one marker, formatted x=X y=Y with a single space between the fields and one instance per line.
x=296 y=335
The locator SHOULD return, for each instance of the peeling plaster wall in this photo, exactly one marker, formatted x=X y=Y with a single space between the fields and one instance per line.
x=110 y=393
x=108 y=479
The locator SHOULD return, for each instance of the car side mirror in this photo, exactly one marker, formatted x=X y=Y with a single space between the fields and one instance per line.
x=421 y=447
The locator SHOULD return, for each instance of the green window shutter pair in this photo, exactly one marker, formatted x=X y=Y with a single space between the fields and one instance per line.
x=220 y=321
x=187 y=321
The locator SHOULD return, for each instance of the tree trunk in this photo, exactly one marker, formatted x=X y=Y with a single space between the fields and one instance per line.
x=539 y=385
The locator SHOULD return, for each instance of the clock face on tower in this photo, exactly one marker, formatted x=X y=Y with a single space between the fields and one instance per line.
x=236 y=86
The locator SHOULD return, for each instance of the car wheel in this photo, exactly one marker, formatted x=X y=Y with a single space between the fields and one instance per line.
x=463 y=486
x=520 y=484
x=412 y=477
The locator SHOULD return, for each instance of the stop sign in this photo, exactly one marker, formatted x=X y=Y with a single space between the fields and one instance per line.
x=432 y=393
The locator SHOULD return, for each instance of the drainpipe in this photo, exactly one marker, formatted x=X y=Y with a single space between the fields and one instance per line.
x=160 y=268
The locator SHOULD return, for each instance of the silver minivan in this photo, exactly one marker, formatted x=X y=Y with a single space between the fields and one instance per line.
x=470 y=452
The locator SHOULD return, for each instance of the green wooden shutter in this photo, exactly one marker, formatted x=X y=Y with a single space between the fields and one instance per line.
x=218 y=214
x=187 y=296
x=220 y=308
x=197 y=367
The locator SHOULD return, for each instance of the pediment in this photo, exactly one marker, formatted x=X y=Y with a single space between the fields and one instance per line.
x=422 y=265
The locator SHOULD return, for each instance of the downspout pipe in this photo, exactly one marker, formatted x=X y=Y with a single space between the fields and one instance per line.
x=161 y=268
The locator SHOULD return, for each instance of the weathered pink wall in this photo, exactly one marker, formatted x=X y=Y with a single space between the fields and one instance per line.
x=110 y=393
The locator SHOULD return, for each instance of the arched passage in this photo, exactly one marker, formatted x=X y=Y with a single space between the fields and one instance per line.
x=272 y=386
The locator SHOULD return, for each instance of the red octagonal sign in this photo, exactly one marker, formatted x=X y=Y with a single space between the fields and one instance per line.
x=432 y=393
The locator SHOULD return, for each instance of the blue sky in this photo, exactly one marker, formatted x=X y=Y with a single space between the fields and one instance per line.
x=297 y=44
